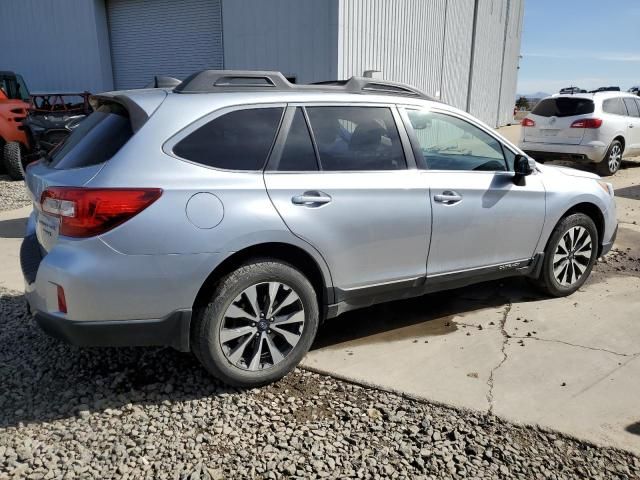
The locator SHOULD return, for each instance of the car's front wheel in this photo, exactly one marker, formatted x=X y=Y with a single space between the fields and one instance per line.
x=612 y=160
x=259 y=323
x=570 y=255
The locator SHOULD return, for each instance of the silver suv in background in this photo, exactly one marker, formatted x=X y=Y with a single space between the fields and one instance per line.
x=231 y=215
x=600 y=127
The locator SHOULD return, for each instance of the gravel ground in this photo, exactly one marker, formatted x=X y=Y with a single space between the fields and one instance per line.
x=68 y=412
x=13 y=194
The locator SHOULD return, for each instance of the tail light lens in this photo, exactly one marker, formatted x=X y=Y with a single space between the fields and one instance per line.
x=86 y=212
x=587 y=123
x=527 y=122
x=62 y=300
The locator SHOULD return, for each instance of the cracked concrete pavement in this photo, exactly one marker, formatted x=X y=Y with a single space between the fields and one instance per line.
x=570 y=364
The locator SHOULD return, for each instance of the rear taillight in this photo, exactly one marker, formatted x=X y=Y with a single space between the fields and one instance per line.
x=85 y=212
x=527 y=122
x=587 y=123
x=62 y=300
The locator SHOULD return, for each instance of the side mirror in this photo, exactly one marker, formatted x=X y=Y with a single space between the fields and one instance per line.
x=523 y=166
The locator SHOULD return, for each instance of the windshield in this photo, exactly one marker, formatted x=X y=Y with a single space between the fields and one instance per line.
x=14 y=87
x=563 y=107
x=95 y=140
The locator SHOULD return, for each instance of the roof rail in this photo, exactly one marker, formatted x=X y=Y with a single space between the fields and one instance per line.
x=209 y=81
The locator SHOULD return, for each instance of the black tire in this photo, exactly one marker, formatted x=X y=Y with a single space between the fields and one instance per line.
x=547 y=280
x=207 y=324
x=13 y=160
x=612 y=161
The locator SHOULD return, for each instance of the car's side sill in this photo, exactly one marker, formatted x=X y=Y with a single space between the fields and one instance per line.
x=367 y=296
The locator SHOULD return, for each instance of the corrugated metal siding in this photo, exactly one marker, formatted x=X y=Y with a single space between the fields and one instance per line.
x=57 y=45
x=296 y=37
x=163 y=37
x=487 y=63
x=404 y=39
x=457 y=52
x=511 y=61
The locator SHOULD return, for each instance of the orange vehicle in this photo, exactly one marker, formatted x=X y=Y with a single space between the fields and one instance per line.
x=14 y=106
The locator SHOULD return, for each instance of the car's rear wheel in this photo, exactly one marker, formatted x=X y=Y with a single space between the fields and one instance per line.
x=570 y=255
x=13 y=160
x=259 y=323
x=612 y=160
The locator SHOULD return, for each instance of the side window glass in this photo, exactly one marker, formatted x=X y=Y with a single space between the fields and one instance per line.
x=632 y=107
x=509 y=157
x=298 y=154
x=356 y=138
x=239 y=140
x=449 y=143
x=614 y=106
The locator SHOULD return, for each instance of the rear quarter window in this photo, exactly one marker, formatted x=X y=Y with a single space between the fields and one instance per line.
x=614 y=106
x=563 y=107
x=239 y=140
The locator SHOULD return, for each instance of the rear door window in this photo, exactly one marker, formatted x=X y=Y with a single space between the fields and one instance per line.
x=614 y=106
x=95 y=140
x=563 y=107
x=239 y=140
x=632 y=107
x=356 y=138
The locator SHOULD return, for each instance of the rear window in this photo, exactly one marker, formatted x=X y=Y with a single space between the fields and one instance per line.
x=563 y=107
x=240 y=140
x=95 y=140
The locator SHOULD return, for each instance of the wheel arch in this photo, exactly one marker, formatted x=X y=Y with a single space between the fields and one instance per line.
x=622 y=140
x=592 y=211
x=286 y=252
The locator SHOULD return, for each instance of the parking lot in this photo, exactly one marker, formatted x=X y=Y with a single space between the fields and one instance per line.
x=568 y=365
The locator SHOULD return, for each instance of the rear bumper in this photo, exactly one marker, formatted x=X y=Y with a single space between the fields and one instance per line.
x=594 y=152
x=172 y=331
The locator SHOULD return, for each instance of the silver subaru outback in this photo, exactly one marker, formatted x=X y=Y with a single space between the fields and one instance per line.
x=230 y=215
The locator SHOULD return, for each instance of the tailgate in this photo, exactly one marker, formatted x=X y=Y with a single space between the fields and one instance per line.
x=553 y=130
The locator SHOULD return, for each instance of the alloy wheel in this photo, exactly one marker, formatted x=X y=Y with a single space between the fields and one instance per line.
x=262 y=326
x=615 y=158
x=572 y=256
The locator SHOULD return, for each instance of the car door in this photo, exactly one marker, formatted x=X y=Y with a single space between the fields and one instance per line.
x=480 y=217
x=340 y=180
x=633 y=132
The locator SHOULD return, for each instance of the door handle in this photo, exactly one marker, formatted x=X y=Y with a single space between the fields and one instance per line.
x=448 y=197
x=311 y=199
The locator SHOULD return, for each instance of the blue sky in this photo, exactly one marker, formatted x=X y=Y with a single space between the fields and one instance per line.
x=588 y=43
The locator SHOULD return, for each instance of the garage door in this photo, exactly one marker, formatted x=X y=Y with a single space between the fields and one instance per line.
x=163 y=37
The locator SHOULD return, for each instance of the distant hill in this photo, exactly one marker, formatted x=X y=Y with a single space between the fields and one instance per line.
x=537 y=95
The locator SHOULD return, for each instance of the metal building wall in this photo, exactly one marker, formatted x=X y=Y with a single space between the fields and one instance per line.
x=402 y=38
x=511 y=61
x=457 y=52
x=296 y=37
x=431 y=44
x=163 y=37
x=57 y=45
x=487 y=61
